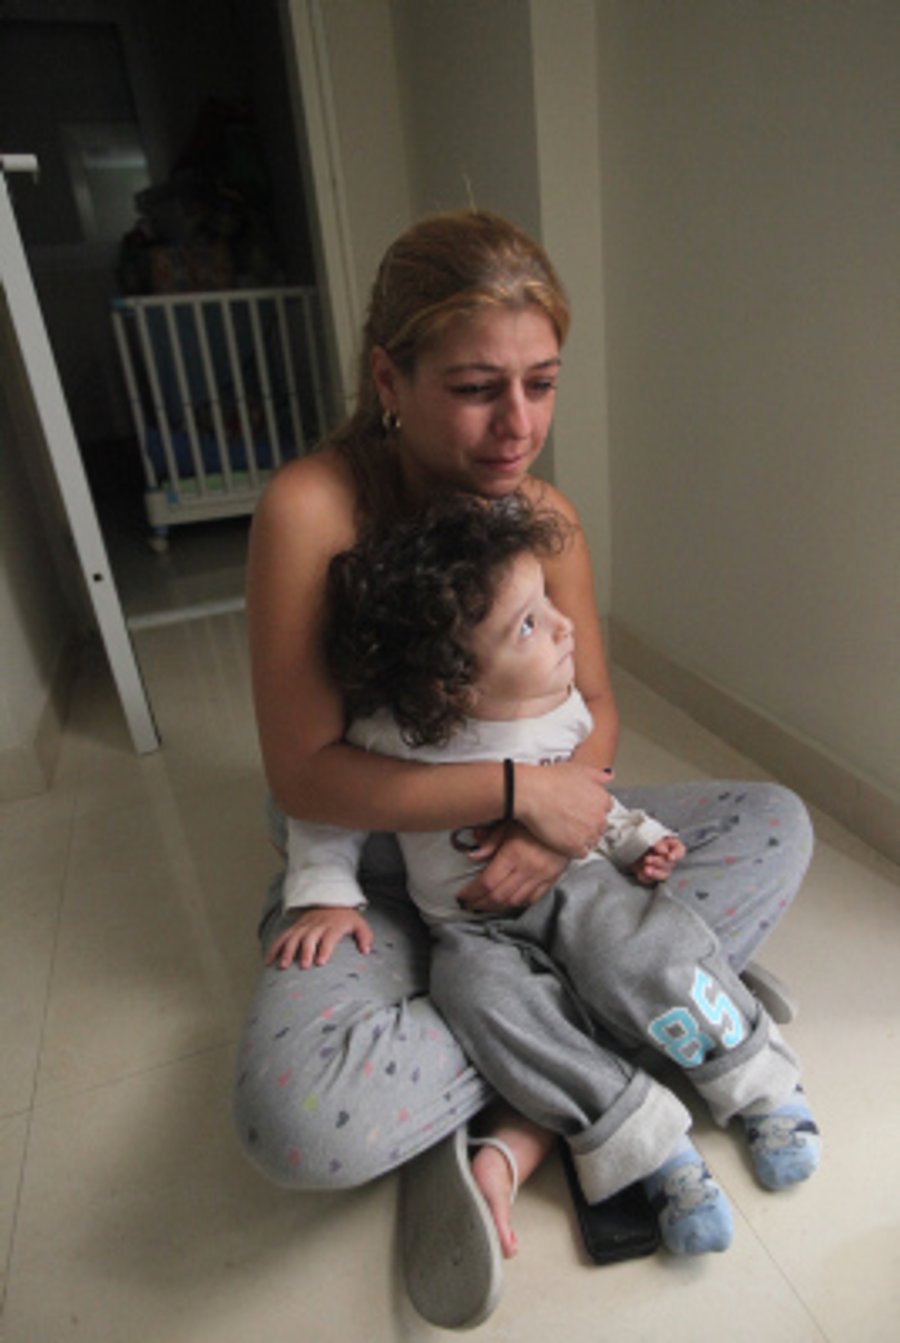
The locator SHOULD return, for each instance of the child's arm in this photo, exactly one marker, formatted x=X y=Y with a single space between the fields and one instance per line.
x=638 y=844
x=321 y=884
x=322 y=862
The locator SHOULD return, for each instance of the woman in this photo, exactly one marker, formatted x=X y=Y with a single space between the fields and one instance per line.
x=347 y=1071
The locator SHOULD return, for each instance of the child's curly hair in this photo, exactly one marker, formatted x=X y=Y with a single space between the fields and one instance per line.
x=402 y=605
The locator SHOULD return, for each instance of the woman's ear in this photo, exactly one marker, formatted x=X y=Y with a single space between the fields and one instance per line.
x=385 y=376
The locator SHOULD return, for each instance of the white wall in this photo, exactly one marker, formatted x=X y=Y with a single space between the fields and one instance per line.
x=469 y=97
x=373 y=149
x=568 y=159
x=751 y=200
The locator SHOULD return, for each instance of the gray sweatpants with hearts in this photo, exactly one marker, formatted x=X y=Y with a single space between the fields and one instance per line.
x=347 y=1070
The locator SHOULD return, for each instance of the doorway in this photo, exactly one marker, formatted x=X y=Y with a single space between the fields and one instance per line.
x=126 y=95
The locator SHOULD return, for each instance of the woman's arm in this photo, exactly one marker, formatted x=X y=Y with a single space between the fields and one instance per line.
x=305 y=517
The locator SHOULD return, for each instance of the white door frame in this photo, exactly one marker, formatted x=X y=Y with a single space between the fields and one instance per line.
x=53 y=413
x=316 y=134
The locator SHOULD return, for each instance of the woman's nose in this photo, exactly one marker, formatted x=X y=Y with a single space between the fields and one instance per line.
x=512 y=414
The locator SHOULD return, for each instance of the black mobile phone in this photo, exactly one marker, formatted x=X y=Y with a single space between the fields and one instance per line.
x=622 y=1227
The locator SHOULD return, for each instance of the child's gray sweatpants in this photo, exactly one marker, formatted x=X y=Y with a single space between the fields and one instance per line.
x=541 y=1001
x=347 y=1070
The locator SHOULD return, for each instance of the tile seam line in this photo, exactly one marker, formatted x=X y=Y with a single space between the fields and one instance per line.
x=29 y=1111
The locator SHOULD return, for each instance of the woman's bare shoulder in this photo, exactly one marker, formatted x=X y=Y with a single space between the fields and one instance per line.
x=313 y=495
x=322 y=477
x=541 y=494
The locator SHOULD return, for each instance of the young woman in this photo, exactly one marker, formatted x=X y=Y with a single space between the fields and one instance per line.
x=348 y=1071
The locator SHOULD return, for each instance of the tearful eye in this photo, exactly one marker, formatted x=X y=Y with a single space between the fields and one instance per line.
x=474 y=390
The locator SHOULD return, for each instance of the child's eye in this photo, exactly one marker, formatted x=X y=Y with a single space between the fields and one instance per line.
x=526 y=629
x=539 y=387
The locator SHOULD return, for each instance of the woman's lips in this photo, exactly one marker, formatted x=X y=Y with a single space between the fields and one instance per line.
x=503 y=465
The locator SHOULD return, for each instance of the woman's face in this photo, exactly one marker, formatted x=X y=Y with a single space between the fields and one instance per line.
x=475 y=412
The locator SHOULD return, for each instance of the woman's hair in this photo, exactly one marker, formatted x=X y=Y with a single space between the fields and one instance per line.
x=446 y=266
x=402 y=605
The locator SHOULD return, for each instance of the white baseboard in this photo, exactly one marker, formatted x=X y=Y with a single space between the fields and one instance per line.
x=866 y=808
x=28 y=769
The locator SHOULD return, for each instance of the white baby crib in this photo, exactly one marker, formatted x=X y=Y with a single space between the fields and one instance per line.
x=223 y=387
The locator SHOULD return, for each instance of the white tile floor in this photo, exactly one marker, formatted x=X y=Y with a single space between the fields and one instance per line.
x=127 y=1214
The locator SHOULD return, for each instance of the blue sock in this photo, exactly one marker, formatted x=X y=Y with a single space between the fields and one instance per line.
x=694 y=1215
x=784 y=1144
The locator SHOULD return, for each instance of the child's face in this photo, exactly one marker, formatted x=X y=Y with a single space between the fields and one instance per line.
x=524 y=648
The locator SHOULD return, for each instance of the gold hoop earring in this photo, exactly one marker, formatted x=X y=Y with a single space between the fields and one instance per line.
x=390 y=422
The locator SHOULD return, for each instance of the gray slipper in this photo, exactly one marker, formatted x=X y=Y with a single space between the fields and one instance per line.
x=771 y=991
x=450 y=1248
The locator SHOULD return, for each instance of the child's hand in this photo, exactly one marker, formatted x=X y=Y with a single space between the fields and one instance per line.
x=658 y=862
x=315 y=933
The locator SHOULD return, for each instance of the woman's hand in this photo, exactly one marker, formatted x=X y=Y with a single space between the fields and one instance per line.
x=563 y=805
x=315 y=933
x=520 y=870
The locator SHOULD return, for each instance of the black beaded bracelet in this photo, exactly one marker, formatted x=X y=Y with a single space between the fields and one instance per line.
x=509 y=790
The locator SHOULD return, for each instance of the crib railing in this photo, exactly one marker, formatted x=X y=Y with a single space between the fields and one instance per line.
x=223 y=387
